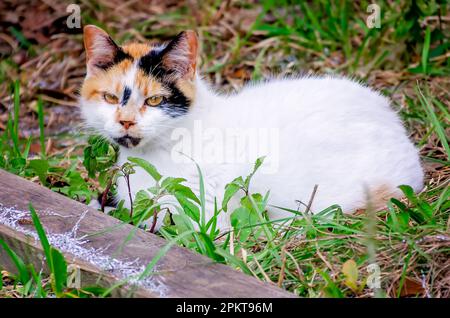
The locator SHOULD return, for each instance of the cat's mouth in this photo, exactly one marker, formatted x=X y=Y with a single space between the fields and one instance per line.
x=128 y=141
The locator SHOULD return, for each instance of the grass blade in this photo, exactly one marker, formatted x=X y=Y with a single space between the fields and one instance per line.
x=59 y=271
x=41 y=126
x=24 y=276
x=16 y=107
x=426 y=50
x=435 y=123
x=42 y=237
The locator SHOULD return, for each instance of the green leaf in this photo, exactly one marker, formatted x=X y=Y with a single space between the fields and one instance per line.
x=26 y=151
x=409 y=192
x=24 y=276
x=258 y=164
x=182 y=223
x=59 y=271
x=40 y=291
x=202 y=197
x=210 y=247
x=142 y=201
x=170 y=182
x=403 y=220
x=331 y=289
x=40 y=167
x=148 y=167
x=121 y=213
x=55 y=260
x=230 y=191
x=242 y=219
x=423 y=212
x=233 y=260
x=400 y=205
x=99 y=155
x=399 y=222
x=257 y=198
x=212 y=223
x=189 y=208
x=18 y=163
x=174 y=186
x=27 y=288
x=42 y=237
x=186 y=192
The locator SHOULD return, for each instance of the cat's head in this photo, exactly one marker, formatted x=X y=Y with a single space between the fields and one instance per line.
x=134 y=94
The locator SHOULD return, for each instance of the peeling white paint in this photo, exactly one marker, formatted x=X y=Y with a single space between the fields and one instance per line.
x=69 y=243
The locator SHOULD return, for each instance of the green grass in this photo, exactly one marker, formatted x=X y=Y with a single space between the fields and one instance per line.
x=326 y=254
x=53 y=172
x=41 y=126
x=433 y=120
x=30 y=283
x=308 y=256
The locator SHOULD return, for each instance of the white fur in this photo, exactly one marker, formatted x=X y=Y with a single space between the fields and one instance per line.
x=332 y=132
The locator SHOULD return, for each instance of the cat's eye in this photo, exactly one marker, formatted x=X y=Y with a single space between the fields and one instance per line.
x=153 y=101
x=110 y=98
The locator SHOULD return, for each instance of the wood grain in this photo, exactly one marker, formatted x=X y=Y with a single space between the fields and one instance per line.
x=180 y=272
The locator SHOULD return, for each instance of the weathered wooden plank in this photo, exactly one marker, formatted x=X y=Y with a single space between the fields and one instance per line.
x=103 y=249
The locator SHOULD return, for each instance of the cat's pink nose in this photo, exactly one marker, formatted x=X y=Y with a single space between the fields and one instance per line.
x=127 y=123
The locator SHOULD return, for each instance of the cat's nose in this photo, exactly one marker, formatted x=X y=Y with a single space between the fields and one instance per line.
x=127 y=123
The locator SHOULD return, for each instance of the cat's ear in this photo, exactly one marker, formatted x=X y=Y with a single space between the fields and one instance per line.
x=101 y=51
x=180 y=55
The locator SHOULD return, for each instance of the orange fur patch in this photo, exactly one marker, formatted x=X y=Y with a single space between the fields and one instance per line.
x=381 y=195
x=137 y=50
x=187 y=87
x=378 y=198
x=148 y=85
x=110 y=81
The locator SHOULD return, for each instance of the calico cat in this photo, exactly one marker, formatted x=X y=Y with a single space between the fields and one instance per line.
x=327 y=131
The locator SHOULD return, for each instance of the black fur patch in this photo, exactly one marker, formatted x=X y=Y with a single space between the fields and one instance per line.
x=126 y=95
x=177 y=103
x=151 y=64
x=128 y=141
x=110 y=200
x=119 y=56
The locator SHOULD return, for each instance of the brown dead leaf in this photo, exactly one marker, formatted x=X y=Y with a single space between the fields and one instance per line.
x=35 y=148
x=412 y=287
